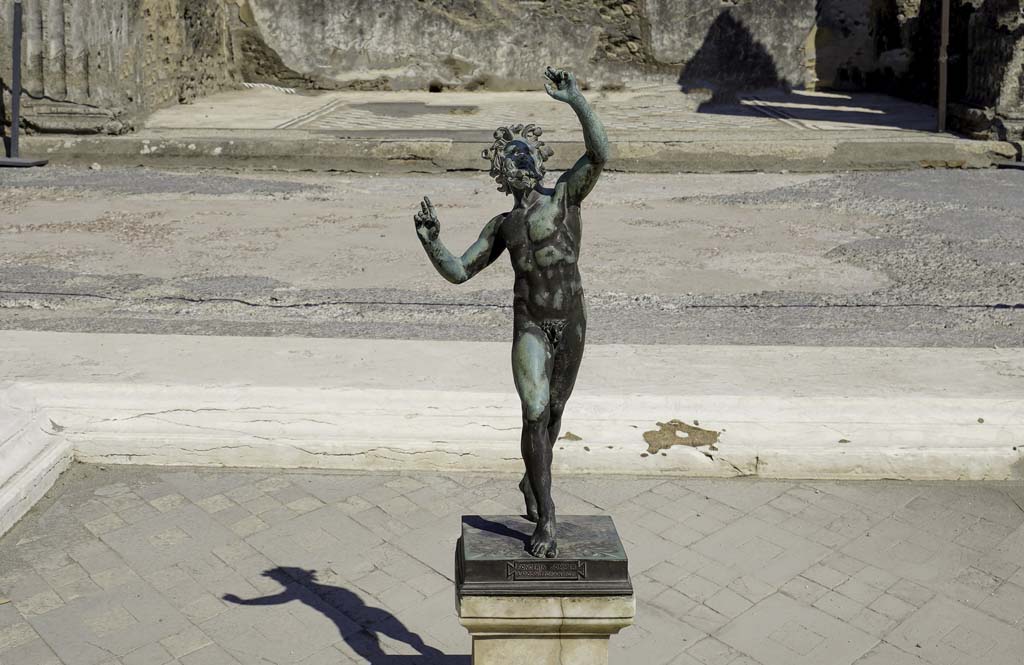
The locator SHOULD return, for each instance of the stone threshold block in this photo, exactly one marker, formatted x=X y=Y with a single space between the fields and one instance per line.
x=521 y=610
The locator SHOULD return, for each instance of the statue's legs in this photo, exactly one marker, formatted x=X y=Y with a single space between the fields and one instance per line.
x=545 y=371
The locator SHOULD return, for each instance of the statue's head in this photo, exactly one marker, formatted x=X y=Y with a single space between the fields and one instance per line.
x=288 y=575
x=517 y=157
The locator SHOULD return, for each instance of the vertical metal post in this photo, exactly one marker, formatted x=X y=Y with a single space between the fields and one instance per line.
x=944 y=67
x=16 y=80
x=15 y=160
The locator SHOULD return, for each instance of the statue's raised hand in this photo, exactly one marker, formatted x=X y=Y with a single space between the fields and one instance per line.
x=562 y=85
x=427 y=225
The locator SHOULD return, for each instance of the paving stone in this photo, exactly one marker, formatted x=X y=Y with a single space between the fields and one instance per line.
x=16 y=635
x=804 y=590
x=115 y=622
x=248 y=526
x=825 y=576
x=915 y=594
x=1006 y=603
x=872 y=622
x=187 y=641
x=261 y=504
x=774 y=572
x=947 y=632
x=728 y=603
x=114 y=577
x=886 y=654
x=673 y=602
x=105 y=524
x=712 y=652
x=41 y=603
x=78 y=589
x=892 y=607
x=667 y=573
x=838 y=606
x=758 y=549
x=911 y=552
x=208 y=655
x=168 y=502
x=752 y=588
x=705 y=619
x=861 y=592
x=33 y=652
x=781 y=631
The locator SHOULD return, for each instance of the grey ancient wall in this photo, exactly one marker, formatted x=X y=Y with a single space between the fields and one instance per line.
x=112 y=60
x=504 y=44
x=115 y=58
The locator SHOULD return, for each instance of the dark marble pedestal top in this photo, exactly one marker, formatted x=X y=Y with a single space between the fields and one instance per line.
x=491 y=558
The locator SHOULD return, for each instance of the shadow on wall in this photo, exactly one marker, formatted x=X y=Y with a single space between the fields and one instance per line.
x=359 y=624
x=730 y=60
x=899 y=51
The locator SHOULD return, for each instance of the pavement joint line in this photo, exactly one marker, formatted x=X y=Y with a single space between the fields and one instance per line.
x=326 y=303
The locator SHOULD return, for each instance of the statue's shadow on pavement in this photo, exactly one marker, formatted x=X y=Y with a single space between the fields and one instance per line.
x=359 y=624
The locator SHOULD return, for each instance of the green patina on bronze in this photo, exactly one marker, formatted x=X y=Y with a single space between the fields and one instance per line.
x=542 y=234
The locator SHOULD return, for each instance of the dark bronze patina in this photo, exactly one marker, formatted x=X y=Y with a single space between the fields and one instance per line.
x=490 y=561
x=542 y=234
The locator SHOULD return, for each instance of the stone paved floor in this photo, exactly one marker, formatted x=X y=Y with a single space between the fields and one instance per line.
x=148 y=566
x=656 y=113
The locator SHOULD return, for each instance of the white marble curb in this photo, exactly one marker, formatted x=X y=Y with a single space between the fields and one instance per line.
x=778 y=412
x=33 y=454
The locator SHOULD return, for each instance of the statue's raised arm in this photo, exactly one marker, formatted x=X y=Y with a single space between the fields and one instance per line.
x=457 y=269
x=582 y=177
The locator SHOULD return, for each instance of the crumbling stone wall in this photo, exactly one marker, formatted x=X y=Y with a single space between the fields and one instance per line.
x=991 y=102
x=893 y=46
x=504 y=44
x=94 y=65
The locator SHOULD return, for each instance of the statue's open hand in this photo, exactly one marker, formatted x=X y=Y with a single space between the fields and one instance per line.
x=427 y=225
x=562 y=86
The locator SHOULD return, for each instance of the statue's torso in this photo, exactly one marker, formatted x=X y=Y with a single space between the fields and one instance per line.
x=543 y=241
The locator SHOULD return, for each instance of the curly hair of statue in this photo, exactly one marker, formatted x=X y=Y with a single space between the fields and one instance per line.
x=505 y=135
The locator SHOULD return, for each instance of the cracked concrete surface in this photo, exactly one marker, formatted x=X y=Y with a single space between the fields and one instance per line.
x=930 y=258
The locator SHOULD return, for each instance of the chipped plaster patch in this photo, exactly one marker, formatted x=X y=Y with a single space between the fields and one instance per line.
x=678 y=433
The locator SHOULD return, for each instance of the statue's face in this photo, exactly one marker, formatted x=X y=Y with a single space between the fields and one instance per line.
x=520 y=166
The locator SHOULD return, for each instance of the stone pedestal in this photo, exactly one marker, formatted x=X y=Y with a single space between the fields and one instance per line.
x=552 y=630
x=526 y=611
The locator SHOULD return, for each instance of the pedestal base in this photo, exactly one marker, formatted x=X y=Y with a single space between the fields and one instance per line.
x=21 y=162
x=544 y=630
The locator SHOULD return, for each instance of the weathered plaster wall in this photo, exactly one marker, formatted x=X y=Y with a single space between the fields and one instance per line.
x=507 y=43
x=109 y=60
x=95 y=65
x=893 y=46
x=992 y=98
x=730 y=45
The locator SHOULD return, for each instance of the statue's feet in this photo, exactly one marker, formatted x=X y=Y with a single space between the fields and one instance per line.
x=532 y=513
x=542 y=543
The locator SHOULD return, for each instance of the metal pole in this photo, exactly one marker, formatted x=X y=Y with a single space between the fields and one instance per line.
x=16 y=80
x=15 y=159
x=944 y=67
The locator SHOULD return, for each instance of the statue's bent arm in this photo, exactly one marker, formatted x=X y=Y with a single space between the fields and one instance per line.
x=581 y=178
x=482 y=253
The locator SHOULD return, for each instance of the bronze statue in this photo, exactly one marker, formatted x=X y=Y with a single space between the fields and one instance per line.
x=542 y=235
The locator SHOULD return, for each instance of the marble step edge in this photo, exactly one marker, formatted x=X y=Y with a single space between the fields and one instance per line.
x=889 y=436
